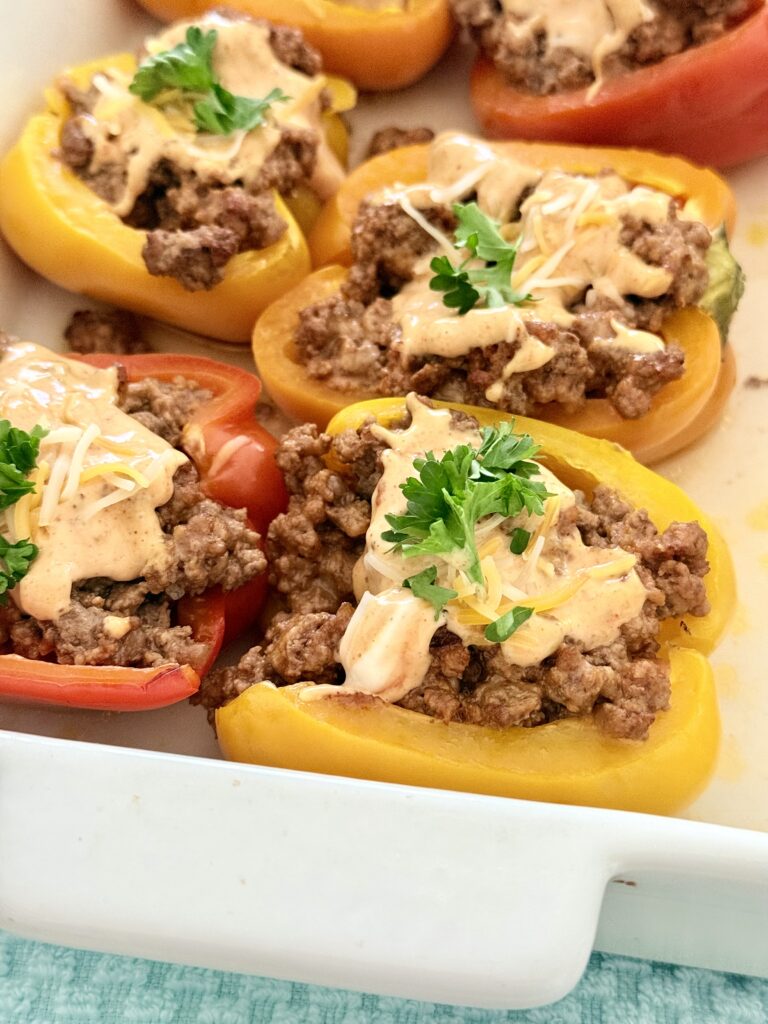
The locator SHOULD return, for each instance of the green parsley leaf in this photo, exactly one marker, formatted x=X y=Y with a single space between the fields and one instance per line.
x=18 y=457
x=188 y=69
x=16 y=558
x=480 y=234
x=503 y=628
x=519 y=540
x=459 y=293
x=222 y=113
x=465 y=286
x=423 y=585
x=452 y=494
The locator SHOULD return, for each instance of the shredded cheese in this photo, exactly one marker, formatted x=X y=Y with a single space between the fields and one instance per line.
x=227 y=451
x=105 y=468
x=407 y=207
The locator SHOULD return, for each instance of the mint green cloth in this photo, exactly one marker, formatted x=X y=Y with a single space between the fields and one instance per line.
x=42 y=984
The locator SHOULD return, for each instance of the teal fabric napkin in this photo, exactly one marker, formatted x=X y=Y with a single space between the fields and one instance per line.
x=43 y=984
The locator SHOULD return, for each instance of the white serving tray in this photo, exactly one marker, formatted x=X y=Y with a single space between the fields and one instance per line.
x=110 y=840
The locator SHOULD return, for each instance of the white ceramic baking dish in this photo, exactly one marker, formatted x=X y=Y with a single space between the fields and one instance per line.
x=125 y=834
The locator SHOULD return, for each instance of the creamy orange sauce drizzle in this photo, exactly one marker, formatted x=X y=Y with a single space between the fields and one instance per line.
x=101 y=476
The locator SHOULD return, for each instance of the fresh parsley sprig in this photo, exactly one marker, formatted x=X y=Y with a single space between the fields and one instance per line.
x=15 y=560
x=188 y=69
x=465 y=286
x=503 y=628
x=452 y=494
x=18 y=457
x=222 y=113
x=424 y=585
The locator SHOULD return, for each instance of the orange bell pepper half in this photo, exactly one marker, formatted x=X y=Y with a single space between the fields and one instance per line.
x=250 y=479
x=387 y=47
x=567 y=761
x=680 y=413
x=67 y=233
x=709 y=103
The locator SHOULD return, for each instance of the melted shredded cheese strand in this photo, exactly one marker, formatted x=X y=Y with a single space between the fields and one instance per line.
x=227 y=452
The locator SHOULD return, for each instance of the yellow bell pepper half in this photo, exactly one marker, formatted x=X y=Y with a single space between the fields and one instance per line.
x=568 y=761
x=67 y=233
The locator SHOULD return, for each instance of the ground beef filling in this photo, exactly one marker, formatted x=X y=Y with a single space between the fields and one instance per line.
x=349 y=341
x=530 y=64
x=313 y=548
x=195 y=226
x=132 y=624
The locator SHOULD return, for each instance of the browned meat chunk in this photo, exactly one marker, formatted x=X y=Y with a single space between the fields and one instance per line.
x=304 y=647
x=209 y=544
x=292 y=49
x=386 y=243
x=163 y=406
x=386 y=139
x=196 y=259
x=114 y=332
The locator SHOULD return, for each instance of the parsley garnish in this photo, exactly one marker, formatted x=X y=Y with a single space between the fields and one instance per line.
x=188 y=68
x=222 y=113
x=519 y=540
x=453 y=493
x=16 y=558
x=18 y=457
x=503 y=628
x=423 y=585
x=466 y=286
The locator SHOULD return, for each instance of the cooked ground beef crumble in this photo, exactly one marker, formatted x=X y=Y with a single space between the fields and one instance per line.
x=196 y=225
x=530 y=64
x=387 y=139
x=349 y=341
x=314 y=546
x=209 y=545
x=114 y=332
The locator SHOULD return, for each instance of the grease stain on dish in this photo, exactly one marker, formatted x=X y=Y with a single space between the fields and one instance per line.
x=741 y=622
x=757 y=233
x=727 y=680
x=731 y=765
x=757 y=518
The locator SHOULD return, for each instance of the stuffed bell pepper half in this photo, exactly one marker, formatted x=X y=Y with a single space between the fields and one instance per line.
x=377 y=44
x=679 y=76
x=179 y=183
x=482 y=604
x=133 y=500
x=589 y=287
